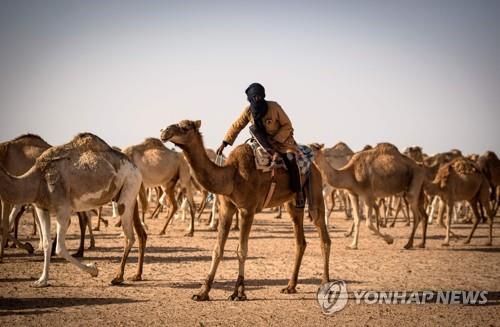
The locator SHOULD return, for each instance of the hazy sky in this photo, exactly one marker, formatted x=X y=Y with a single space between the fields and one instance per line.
x=406 y=72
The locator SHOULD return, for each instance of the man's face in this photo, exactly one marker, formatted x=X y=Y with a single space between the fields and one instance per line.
x=256 y=98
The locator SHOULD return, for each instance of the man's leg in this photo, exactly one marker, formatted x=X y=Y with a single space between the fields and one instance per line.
x=295 y=180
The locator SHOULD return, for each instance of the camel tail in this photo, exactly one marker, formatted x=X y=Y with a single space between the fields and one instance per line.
x=139 y=228
x=143 y=198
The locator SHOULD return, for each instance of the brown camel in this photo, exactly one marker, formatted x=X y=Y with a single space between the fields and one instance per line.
x=461 y=180
x=17 y=157
x=490 y=166
x=81 y=175
x=163 y=167
x=377 y=173
x=240 y=186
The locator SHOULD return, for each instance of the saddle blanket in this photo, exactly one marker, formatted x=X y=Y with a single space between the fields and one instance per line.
x=263 y=160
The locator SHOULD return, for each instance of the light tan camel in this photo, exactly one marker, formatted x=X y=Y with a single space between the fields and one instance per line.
x=17 y=157
x=338 y=156
x=240 y=186
x=461 y=180
x=81 y=175
x=376 y=173
x=163 y=167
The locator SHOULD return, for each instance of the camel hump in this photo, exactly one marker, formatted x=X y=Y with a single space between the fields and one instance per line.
x=89 y=142
x=386 y=148
x=460 y=166
x=338 y=150
x=152 y=142
x=83 y=144
x=490 y=155
x=31 y=139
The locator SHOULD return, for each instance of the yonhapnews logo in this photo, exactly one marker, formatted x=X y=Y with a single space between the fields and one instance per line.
x=333 y=297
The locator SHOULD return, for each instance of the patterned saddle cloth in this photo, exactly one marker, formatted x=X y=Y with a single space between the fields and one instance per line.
x=263 y=160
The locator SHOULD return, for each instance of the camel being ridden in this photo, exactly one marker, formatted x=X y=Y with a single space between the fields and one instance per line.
x=240 y=186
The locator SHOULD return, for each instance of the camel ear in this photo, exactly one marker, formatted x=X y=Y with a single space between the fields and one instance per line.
x=321 y=146
x=197 y=123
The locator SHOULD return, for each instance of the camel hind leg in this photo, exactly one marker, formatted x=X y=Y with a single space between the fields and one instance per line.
x=297 y=216
x=63 y=219
x=142 y=235
x=44 y=219
x=169 y=192
x=227 y=210
x=317 y=211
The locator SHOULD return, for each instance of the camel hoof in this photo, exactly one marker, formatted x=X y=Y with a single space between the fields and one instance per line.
x=189 y=234
x=136 y=278
x=78 y=254
x=91 y=247
x=200 y=297
x=93 y=269
x=289 y=290
x=213 y=229
x=347 y=234
x=12 y=246
x=40 y=283
x=96 y=229
x=29 y=247
x=445 y=244
x=466 y=242
x=488 y=244
x=105 y=222
x=421 y=245
x=389 y=239
x=162 y=232
x=235 y=228
x=408 y=246
x=351 y=247
x=237 y=297
x=117 y=281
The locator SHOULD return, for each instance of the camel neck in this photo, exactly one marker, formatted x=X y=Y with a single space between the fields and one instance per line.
x=213 y=178
x=19 y=189
x=336 y=178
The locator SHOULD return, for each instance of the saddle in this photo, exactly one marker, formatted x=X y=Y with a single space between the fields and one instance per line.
x=263 y=160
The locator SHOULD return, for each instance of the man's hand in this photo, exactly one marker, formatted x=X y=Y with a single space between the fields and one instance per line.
x=276 y=156
x=221 y=148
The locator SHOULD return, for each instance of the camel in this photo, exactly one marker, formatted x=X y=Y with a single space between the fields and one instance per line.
x=462 y=180
x=240 y=186
x=81 y=175
x=376 y=173
x=490 y=166
x=163 y=167
x=17 y=157
x=338 y=156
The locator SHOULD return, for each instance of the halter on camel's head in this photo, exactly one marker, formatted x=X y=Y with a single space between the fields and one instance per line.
x=180 y=133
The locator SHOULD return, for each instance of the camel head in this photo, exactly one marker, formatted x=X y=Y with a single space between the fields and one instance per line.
x=316 y=147
x=181 y=133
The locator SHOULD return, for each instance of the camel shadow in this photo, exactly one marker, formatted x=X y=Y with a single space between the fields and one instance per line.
x=252 y=283
x=14 y=306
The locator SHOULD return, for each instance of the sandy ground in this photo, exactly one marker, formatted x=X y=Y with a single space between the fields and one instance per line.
x=176 y=265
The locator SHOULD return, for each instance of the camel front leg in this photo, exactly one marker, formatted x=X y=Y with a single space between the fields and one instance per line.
x=227 y=210
x=475 y=221
x=245 y=226
x=355 y=226
x=297 y=216
x=44 y=218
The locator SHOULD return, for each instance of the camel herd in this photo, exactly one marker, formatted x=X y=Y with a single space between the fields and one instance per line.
x=86 y=174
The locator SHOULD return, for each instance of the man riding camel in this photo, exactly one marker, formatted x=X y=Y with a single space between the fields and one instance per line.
x=273 y=130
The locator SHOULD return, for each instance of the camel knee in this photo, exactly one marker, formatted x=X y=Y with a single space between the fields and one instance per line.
x=47 y=244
